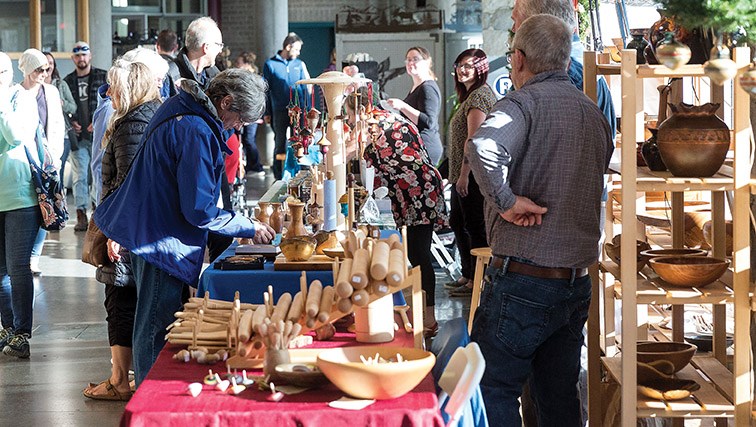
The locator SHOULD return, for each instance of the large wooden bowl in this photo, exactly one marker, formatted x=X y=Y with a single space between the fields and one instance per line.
x=690 y=271
x=299 y=248
x=344 y=368
x=678 y=353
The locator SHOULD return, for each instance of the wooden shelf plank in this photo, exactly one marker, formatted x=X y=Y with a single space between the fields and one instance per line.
x=651 y=71
x=664 y=181
x=708 y=402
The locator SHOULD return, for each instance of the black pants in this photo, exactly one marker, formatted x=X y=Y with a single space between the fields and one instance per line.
x=280 y=122
x=120 y=304
x=419 y=238
x=467 y=222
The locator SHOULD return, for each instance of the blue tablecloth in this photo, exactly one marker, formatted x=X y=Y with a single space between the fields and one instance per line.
x=222 y=284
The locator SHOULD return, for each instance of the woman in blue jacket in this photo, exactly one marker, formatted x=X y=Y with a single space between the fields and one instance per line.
x=164 y=209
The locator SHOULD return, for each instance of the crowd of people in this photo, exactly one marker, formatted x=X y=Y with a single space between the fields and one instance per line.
x=175 y=120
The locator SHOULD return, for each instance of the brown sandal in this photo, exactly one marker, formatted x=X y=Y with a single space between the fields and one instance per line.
x=111 y=392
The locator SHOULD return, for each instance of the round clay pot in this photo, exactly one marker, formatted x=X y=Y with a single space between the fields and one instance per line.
x=276 y=218
x=671 y=53
x=720 y=68
x=693 y=142
x=651 y=154
x=639 y=44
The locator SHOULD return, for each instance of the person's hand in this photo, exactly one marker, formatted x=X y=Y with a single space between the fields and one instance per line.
x=462 y=185
x=76 y=127
x=266 y=119
x=113 y=249
x=396 y=103
x=263 y=232
x=90 y=128
x=524 y=213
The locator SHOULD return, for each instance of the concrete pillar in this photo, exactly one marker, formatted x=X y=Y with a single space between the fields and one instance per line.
x=271 y=21
x=497 y=21
x=100 y=34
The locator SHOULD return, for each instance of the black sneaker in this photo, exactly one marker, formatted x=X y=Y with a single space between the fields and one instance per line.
x=5 y=336
x=18 y=346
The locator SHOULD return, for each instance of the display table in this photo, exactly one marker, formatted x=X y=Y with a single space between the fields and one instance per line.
x=162 y=400
x=222 y=284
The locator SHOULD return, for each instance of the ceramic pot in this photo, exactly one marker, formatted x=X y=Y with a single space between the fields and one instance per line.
x=639 y=44
x=276 y=218
x=671 y=53
x=649 y=55
x=651 y=154
x=263 y=217
x=720 y=68
x=296 y=226
x=693 y=142
x=748 y=80
x=699 y=41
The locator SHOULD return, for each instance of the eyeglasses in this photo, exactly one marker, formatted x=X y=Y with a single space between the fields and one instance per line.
x=41 y=70
x=509 y=54
x=464 y=67
x=414 y=60
x=80 y=49
x=220 y=45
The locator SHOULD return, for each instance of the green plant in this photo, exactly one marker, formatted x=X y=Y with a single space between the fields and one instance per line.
x=720 y=15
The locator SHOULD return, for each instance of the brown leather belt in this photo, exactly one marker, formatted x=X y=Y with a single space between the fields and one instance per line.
x=540 y=272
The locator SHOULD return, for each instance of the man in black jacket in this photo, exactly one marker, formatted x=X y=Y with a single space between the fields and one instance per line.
x=83 y=82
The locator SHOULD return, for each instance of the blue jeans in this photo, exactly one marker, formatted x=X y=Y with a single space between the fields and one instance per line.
x=80 y=163
x=18 y=229
x=158 y=298
x=530 y=326
x=39 y=242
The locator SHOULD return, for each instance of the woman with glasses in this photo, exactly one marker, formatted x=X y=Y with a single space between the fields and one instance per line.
x=423 y=103
x=475 y=99
x=42 y=120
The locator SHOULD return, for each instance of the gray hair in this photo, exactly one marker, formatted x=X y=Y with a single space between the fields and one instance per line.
x=157 y=65
x=198 y=31
x=562 y=9
x=246 y=88
x=546 y=42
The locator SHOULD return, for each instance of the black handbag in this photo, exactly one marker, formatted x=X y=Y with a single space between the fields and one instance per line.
x=51 y=195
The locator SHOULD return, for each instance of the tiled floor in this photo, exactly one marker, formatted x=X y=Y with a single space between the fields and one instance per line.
x=69 y=347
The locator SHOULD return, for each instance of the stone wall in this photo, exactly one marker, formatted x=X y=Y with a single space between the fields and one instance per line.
x=497 y=20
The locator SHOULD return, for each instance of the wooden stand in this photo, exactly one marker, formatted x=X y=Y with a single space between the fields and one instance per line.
x=309 y=355
x=725 y=394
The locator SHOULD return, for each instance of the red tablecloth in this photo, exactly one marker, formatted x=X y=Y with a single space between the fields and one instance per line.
x=162 y=400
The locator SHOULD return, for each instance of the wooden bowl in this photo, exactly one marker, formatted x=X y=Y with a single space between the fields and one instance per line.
x=689 y=271
x=301 y=374
x=334 y=252
x=679 y=353
x=613 y=251
x=299 y=248
x=351 y=375
x=656 y=253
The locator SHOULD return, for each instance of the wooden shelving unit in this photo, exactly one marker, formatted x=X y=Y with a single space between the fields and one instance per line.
x=724 y=393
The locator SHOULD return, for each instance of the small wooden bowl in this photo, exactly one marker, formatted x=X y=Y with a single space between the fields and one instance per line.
x=613 y=251
x=334 y=252
x=301 y=374
x=679 y=353
x=656 y=253
x=297 y=249
x=689 y=271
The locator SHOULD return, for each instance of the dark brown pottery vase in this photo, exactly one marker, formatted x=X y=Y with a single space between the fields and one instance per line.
x=651 y=154
x=693 y=142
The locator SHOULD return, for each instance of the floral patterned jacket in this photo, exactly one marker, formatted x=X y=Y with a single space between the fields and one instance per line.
x=403 y=166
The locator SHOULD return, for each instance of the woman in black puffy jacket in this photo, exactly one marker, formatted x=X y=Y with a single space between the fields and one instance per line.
x=135 y=96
